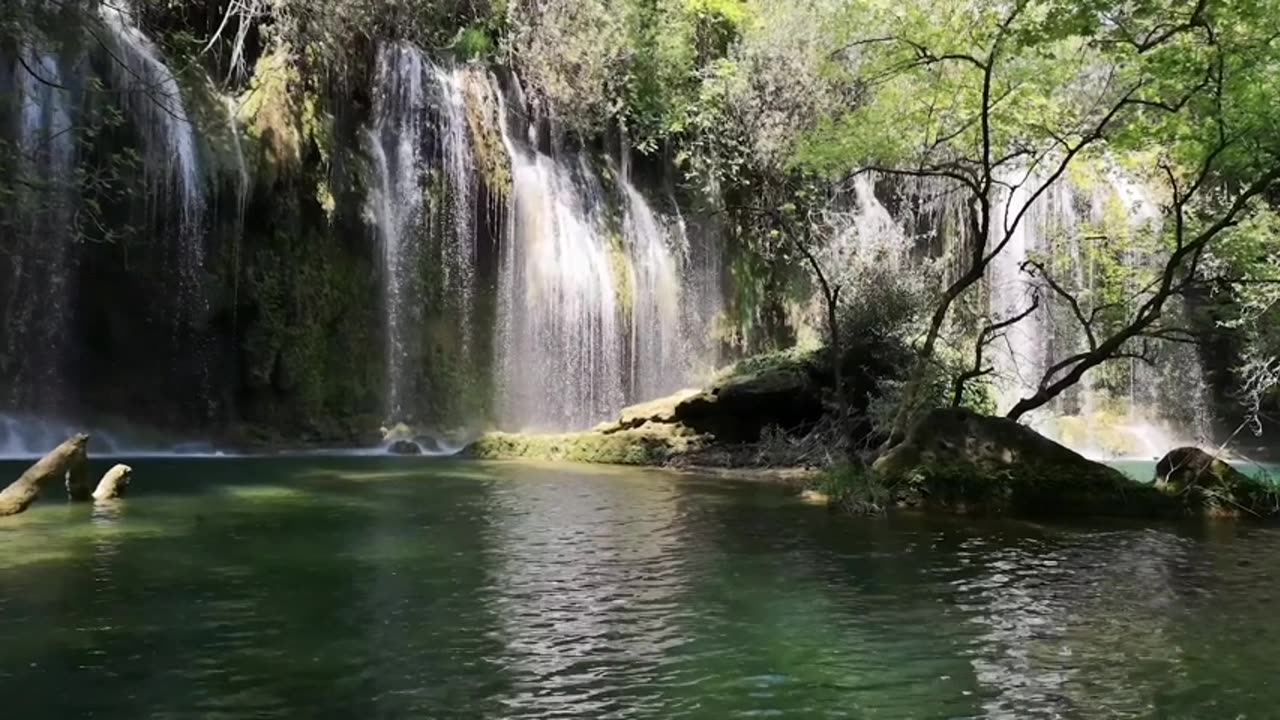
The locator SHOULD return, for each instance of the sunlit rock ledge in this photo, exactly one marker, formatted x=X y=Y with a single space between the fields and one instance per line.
x=717 y=426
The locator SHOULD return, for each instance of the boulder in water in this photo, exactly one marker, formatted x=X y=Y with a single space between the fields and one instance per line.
x=958 y=460
x=114 y=484
x=1208 y=485
x=404 y=447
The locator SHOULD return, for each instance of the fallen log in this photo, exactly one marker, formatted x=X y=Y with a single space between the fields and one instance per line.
x=70 y=458
x=114 y=483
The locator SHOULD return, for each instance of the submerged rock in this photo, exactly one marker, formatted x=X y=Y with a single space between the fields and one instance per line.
x=114 y=484
x=1207 y=485
x=404 y=447
x=958 y=460
x=815 y=497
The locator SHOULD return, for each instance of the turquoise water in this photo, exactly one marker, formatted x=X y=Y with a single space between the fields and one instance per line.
x=411 y=588
x=1145 y=470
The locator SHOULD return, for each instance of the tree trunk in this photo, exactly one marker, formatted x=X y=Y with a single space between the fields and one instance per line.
x=79 y=486
x=837 y=352
x=70 y=458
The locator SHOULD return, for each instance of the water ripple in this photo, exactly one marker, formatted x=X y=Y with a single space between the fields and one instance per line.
x=279 y=589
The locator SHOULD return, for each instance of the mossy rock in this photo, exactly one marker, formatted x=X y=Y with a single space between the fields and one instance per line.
x=1209 y=486
x=784 y=392
x=662 y=411
x=626 y=447
x=958 y=460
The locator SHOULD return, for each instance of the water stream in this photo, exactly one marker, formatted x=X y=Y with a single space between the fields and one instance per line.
x=150 y=95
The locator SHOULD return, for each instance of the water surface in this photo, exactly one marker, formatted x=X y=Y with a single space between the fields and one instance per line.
x=411 y=588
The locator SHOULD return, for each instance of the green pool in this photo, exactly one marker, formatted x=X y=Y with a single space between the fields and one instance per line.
x=414 y=588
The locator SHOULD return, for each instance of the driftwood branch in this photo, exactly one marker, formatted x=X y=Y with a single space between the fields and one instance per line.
x=69 y=459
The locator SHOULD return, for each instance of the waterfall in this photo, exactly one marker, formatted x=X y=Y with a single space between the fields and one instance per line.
x=457 y=222
x=660 y=358
x=152 y=99
x=423 y=203
x=1023 y=353
x=37 y=309
x=603 y=300
x=1127 y=407
x=396 y=201
x=560 y=337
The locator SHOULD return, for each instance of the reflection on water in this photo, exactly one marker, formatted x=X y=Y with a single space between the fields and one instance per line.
x=586 y=587
x=331 y=587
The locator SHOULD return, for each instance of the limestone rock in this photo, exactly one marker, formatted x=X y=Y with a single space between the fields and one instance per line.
x=659 y=412
x=815 y=497
x=652 y=445
x=739 y=407
x=114 y=484
x=1207 y=485
x=958 y=460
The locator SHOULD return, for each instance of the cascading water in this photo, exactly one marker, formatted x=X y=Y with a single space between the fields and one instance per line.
x=423 y=203
x=396 y=201
x=37 y=310
x=1118 y=409
x=151 y=97
x=561 y=339
x=597 y=309
x=457 y=221
x=1021 y=354
x=660 y=358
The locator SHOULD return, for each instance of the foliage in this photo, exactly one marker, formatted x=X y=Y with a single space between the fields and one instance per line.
x=999 y=98
x=855 y=488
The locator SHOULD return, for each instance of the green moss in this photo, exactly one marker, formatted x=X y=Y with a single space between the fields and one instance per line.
x=486 y=135
x=854 y=488
x=620 y=266
x=473 y=42
x=631 y=447
x=271 y=113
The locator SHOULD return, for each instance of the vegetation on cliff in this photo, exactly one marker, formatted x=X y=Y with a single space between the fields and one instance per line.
x=778 y=123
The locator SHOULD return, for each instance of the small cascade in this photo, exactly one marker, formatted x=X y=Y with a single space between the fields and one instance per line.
x=151 y=97
x=455 y=222
x=38 y=304
x=1122 y=408
x=561 y=339
x=603 y=300
x=396 y=202
x=660 y=358
x=423 y=204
